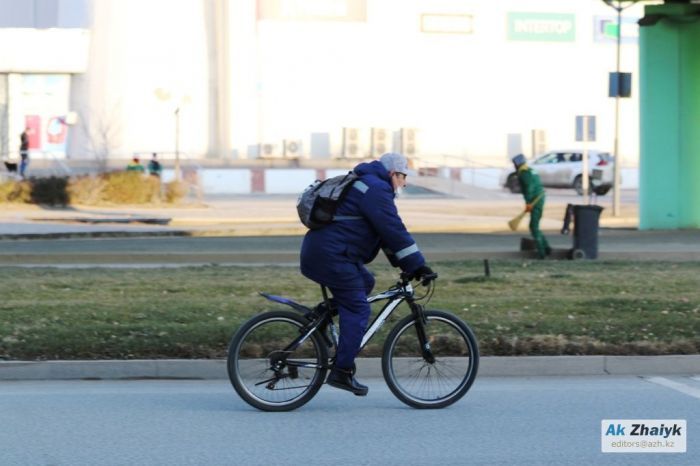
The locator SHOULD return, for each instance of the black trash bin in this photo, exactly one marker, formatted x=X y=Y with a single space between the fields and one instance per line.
x=586 y=220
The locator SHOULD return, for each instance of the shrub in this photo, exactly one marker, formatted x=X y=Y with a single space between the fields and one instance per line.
x=87 y=190
x=49 y=191
x=15 y=191
x=131 y=188
x=175 y=191
x=112 y=188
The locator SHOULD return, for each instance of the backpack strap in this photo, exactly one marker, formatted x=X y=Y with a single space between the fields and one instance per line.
x=360 y=186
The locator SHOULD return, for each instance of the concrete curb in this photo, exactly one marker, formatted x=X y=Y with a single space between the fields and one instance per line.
x=493 y=366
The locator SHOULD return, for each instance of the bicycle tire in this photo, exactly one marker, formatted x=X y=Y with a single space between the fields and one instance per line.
x=257 y=343
x=424 y=385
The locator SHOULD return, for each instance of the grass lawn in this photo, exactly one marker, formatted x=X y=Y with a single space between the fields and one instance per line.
x=524 y=308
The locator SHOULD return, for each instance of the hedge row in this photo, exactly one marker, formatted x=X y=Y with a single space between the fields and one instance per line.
x=108 y=188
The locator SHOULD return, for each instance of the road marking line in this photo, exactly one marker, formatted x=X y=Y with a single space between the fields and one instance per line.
x=683 y=388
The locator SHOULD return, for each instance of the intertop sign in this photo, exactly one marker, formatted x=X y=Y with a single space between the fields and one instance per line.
x=548 y=27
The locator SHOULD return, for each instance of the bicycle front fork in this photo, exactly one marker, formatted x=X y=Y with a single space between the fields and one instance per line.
x=421 y=324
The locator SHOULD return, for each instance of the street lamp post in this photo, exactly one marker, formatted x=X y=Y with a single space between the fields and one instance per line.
x=617 y=6
x=179 y=99
x=177 y=143
x=616 y=146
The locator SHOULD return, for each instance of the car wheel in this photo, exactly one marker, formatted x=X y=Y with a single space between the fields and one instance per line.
x=601 y=190
x=578 y=185
x=513 y=184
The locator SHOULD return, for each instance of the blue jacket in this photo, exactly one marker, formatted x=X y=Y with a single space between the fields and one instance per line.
x=334 y=255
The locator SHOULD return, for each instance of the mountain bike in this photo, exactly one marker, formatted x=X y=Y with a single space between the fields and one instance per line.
x=278 y=360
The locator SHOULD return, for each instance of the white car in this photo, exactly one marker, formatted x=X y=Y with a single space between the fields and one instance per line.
x=563 y=169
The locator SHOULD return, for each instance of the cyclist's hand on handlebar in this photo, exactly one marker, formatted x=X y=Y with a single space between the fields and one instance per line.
x=423 y=273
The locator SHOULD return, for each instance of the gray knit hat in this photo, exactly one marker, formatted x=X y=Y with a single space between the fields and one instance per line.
x=394 y=162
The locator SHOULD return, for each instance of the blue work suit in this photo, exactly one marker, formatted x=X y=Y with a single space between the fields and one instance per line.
x=335 y=255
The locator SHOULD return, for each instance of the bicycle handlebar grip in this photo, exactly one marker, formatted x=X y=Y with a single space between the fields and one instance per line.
x=427 y=278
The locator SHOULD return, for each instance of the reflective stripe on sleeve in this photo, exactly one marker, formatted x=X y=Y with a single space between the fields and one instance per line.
x=407 y=251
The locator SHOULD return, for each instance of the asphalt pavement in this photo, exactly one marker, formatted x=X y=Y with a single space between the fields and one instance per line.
x=501 y=421
x=265 y=229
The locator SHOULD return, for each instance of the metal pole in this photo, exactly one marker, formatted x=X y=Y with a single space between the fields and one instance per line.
x=616 y=148
x=585 y=165
x=177 y=144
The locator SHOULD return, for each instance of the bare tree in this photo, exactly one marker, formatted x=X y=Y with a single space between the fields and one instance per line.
x=102 y=132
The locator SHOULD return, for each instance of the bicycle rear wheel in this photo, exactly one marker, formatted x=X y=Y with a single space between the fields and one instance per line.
x=423 y=384
x=265 y=375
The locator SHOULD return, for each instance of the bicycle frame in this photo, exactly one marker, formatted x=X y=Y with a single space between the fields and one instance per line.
x=403 y=291
x=395 y=296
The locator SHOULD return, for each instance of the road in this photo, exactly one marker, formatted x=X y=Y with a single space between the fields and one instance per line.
x=505 y=421
x=613 y=244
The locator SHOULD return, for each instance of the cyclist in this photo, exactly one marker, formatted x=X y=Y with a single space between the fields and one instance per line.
x=334 y=256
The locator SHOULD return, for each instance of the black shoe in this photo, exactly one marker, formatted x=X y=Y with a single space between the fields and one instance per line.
x=547 y=251
x=344 y=379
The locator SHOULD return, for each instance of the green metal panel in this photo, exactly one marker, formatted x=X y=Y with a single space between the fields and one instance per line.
x=658 y=104
x=689 y=174
x=669 y=184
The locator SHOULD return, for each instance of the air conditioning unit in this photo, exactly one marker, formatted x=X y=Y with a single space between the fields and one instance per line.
x=267 y=150
x=408 y=142
x=379 y=143
x=351 y=146
x=291 y=148
x=539 y=142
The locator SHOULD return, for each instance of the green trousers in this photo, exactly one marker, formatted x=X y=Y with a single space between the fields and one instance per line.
x=540 y=241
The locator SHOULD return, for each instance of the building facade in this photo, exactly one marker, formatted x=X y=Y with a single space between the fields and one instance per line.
x=449 y=82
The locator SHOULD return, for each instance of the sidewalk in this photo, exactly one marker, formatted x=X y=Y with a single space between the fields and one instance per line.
x=276 y=215
x=466 y=228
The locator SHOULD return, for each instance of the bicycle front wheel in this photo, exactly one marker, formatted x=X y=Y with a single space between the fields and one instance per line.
x=268 y=375
x=430 y=382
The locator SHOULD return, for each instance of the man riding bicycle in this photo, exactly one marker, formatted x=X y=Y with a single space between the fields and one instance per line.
x=334 y=256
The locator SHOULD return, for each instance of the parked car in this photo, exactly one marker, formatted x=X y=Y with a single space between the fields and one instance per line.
x=563 y=169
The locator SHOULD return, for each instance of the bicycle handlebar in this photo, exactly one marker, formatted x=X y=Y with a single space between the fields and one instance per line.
x=424 y=280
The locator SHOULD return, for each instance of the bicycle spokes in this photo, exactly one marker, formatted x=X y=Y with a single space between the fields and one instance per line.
x=430 y=365
x=272 y=378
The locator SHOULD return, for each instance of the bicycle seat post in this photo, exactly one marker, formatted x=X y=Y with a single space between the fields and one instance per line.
x=326 y=301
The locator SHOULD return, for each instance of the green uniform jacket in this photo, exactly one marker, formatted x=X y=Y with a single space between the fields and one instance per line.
x=530 y=184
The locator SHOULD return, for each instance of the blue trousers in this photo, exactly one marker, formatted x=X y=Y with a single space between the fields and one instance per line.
x=354 y=311
x=24 y=163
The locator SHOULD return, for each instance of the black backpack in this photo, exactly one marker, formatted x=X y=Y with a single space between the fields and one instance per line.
x=317 y=204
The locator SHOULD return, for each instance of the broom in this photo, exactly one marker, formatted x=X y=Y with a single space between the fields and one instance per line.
x=515 y=221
